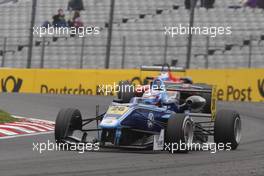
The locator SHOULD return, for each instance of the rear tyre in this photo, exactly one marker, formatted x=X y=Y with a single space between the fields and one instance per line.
x=126 y=91
x=179 y=132
x=227 y=128
x=67 y=121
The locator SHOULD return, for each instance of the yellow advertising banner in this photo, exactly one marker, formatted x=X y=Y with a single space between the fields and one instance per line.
x=232 y=84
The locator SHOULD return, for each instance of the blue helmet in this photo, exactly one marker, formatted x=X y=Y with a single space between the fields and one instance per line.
x=152 y=97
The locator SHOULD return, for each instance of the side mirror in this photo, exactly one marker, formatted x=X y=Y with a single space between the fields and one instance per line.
x=195 y=103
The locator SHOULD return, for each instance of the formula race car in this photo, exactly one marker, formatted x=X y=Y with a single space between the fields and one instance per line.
x=125 y=92
x=169 y=113
x=165 y=75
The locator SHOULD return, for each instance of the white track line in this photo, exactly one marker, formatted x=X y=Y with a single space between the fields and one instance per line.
x=6 y=132
x=17 y=128
x=22 y=135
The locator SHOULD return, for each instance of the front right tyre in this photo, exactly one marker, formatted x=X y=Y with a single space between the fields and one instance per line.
x=126 y=91
x=227 y=128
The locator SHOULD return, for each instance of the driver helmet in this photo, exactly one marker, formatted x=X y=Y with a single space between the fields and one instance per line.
x=164 y=76
x=152 y=97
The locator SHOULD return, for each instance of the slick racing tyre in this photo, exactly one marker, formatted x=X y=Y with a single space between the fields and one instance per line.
x=227 y=128
x=126 y=91
x=67 y=121
x=179 y=132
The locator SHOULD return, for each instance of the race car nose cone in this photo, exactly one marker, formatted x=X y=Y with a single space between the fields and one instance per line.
x=109 y=122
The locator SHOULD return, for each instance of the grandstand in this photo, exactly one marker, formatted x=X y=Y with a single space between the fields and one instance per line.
x=141 y=23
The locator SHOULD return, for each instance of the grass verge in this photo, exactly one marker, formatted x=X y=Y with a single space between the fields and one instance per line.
x=6 y=117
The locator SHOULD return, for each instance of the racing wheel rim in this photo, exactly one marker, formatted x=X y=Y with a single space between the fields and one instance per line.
x=188 y=132
x=237 y=129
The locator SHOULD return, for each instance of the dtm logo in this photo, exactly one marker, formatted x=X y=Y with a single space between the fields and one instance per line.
x=261 y=87
x=13 y=82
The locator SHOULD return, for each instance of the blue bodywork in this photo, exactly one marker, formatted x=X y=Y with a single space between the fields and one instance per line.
x=141 y=113
x=137 y=116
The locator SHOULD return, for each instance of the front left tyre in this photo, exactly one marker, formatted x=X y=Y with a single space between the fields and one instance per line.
x=67 y=121
x=180 y=132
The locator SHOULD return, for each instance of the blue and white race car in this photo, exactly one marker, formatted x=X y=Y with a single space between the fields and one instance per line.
x=168 y=113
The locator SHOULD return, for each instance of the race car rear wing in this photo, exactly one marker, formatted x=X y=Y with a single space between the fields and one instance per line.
x=188 y=88
x=162 y=68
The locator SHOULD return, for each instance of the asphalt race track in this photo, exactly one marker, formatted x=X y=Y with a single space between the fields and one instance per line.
x=18 y=158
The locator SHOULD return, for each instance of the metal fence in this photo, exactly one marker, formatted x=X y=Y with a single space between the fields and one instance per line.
x=110 y=48
x=122 y=49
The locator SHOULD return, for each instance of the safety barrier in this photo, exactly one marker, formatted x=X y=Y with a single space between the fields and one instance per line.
x=232 y=84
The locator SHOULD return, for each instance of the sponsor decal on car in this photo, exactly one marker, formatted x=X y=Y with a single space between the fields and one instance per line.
x=150 y=120
x=117 y=110
x=158 y=143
